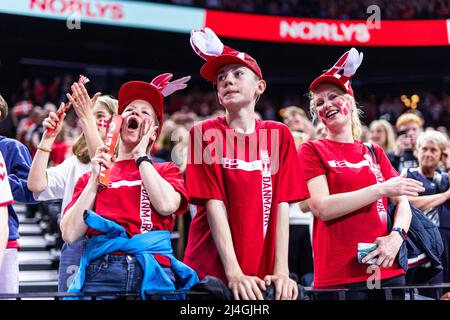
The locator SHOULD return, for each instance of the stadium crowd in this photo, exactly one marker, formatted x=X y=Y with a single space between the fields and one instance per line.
x=328 y=9
x=312 y=194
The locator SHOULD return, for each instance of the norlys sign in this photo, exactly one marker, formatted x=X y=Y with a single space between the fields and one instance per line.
x=325 y=31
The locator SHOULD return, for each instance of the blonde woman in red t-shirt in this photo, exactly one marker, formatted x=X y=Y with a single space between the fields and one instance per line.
x=348 y=193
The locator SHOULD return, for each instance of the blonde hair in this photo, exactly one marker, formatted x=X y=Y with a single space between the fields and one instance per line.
x=408 y=117
x=294 y=110
x=389 y=131
x=110 y=103
x=79 y=148
x=3 y=108
x=434 y=136
x=355 y=112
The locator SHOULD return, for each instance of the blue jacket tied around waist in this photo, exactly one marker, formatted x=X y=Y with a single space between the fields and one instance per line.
x=142 y=246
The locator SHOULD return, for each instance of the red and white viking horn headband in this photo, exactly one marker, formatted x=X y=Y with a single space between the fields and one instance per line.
x=342 y=72
x=163 y=84
x=348 y=63
x=208 y=45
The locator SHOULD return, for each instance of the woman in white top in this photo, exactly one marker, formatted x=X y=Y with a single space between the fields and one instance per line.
x=59 y=182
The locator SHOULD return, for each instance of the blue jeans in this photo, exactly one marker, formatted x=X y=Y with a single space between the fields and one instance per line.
x=117 y=273
x=69 y=262
x=9 y=272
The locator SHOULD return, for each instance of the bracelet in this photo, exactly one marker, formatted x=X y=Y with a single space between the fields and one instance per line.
x=44 y=149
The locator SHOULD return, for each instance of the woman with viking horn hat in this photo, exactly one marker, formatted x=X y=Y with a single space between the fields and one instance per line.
x=348 y=190
x=129 y=249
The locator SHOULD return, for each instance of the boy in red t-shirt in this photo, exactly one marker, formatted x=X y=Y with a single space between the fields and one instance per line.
x=242 y=175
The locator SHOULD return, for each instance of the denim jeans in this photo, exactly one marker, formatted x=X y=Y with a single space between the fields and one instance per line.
x=9 y=272
x=116 y=273
x=69 y=262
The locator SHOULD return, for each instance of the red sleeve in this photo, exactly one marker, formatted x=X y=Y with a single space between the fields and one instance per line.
x=7 y=203
x=173 y=175
x=311 y=166
x=79 y=187
x=201 y=179
x=290 y=184
x=386 y=168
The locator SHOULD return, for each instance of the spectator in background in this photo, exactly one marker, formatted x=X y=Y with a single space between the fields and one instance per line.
x=431 y=149
x=297 y=121
x=17 y=160
x=53 y=89
x=20 y=111
x=61 y=148
x=300 y=225
x=321 y=130
x=300 y=222
x=365 y=134
x=409 y=126
x=27 y=122
x=38 y=91
x=382 y=133
x=59 y=182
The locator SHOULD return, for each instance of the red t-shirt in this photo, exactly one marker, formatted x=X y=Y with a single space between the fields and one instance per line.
x=251 y=174
x=59 y=153
x=127 y=203
x=348 y=167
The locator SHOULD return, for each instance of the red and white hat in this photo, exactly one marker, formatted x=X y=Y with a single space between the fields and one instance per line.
x=208 y=46
x=153 y=92
x=22 y=108
x=342 y=71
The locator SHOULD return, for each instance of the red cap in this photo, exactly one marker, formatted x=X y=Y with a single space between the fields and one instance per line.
x=208 y=46
x=345 y=86
x=153 y=93
x=342 y=71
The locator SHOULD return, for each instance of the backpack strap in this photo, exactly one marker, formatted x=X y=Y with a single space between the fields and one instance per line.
x=372 y=151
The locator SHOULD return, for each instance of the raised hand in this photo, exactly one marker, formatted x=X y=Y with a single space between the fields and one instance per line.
x=81 y=101
x=147 y=131
x=53 y=124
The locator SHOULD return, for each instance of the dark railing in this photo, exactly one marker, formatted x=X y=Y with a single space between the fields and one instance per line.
x=307 y=293
x=413 y=291
x=96 y=295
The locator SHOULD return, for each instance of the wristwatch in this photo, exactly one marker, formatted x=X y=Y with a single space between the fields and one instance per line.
x=402 y=232
x=143 y=158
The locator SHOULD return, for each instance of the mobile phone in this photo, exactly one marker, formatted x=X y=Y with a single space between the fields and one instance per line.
x=364 y=249
x=401 y=132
